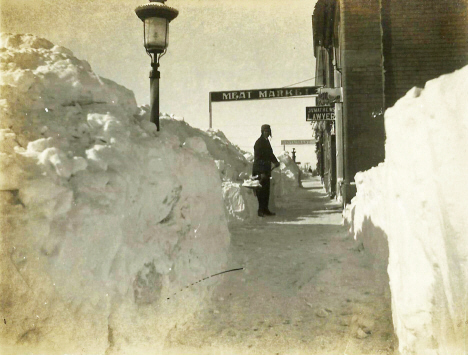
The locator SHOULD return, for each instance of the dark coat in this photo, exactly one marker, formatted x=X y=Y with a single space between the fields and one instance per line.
x=263 y=157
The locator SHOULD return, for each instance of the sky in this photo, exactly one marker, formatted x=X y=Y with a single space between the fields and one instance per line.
x=214 y=45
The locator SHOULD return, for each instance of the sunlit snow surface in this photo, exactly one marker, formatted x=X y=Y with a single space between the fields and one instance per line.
x=103 y=218
x=325 y=216
x=417 y=199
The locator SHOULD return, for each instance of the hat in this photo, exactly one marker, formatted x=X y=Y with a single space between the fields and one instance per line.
x=265 y=127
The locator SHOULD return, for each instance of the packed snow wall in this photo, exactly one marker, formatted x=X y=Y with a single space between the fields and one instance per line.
x=286 y=178
x=288 y=175
x=413 y=206
x=234 y=167
x=104 y=221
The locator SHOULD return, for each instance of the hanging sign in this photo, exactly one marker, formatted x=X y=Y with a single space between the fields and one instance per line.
x=298 y=142
x=320 y=113
x=259 y=94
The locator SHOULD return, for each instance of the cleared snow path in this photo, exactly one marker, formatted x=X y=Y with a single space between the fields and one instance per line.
x=307 y=288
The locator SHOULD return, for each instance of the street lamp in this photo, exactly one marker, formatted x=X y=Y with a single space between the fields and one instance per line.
x=156 y=17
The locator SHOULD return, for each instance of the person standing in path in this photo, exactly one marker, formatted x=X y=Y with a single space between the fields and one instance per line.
x=263 y=158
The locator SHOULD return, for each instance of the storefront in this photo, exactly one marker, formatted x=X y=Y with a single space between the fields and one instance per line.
x=373 y=52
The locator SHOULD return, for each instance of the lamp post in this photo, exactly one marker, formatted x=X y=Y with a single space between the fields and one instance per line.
x=156 y=17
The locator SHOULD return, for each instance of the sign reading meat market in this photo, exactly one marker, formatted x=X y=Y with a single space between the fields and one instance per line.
x=320 y=113
x=259 y=94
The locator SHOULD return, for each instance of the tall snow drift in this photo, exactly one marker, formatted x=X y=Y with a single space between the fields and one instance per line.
x=234 y=167
x=102 y=219
x=417 y=199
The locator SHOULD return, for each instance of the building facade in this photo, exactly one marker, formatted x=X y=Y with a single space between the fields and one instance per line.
x=374 y=51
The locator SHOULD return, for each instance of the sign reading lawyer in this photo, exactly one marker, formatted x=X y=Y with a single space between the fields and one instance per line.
x=320 y=113
x=298 y=141
x=263 y=93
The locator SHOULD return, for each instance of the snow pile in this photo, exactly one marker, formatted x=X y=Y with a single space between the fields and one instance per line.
x=234 y=167
x=288 y=174
x=416 y=199
x=229 y=158
x=285 y=179
x=102 y=219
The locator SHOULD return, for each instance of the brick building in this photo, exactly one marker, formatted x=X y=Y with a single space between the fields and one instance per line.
x=375 y=51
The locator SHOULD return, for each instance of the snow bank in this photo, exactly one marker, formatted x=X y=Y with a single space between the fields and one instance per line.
x=288 y=174
x=102 y=219
x=416 y=200
x=230 y=160
x=234 y=167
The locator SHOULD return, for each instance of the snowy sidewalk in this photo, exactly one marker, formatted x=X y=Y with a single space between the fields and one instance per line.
x=306 y=288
